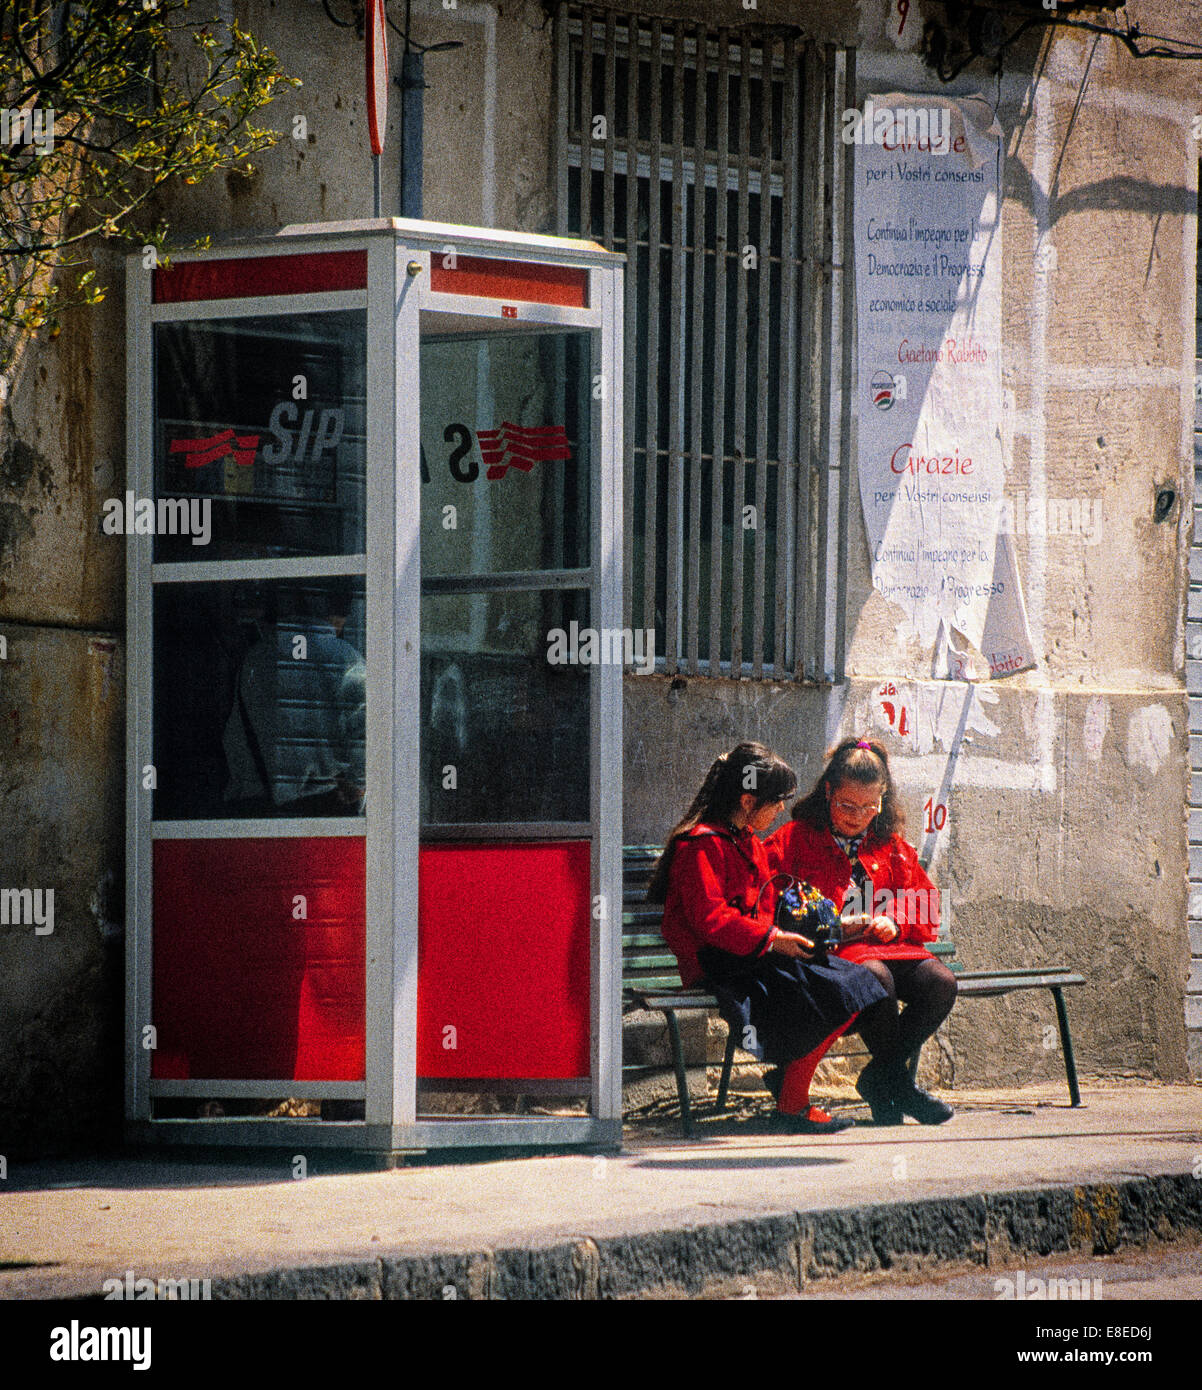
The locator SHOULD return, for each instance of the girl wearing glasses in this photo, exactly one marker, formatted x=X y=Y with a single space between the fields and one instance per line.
x=719 y=903
x=845 y=838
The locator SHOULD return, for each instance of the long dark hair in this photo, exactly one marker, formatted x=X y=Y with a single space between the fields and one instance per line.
x=748 y=767
x=855 y=759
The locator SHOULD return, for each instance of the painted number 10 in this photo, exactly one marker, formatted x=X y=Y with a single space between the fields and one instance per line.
x=936 y=814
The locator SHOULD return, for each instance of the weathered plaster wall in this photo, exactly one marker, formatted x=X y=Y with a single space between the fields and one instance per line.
x=61 y=1009
x=62 y=727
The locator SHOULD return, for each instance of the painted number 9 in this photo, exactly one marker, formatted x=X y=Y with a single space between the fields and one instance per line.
x=903 y=9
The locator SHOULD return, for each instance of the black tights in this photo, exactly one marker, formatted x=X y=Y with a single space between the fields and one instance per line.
x=928 y=990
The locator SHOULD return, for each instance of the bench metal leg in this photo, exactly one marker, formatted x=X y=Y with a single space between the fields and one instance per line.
x=682 y=1081
x=727 y=1063
x=1066 y=1045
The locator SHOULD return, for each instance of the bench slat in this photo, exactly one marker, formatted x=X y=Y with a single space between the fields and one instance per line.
x=678 y=1001
x=1022 y=972
x=986 y=985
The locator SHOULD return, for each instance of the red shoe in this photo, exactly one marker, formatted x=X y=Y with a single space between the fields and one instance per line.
x=814 y=1120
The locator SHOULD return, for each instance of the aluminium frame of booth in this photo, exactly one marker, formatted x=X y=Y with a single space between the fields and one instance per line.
x=397 y=293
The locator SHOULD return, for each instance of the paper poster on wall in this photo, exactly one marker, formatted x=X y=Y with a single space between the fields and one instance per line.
x=928 y=291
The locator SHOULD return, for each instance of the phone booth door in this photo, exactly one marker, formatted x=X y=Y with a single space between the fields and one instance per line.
x=509 y=581
x=248 y=833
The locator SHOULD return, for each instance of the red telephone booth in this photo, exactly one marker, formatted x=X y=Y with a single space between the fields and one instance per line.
x=374 y=740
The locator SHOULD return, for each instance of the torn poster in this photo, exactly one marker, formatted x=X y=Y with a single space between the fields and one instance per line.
x=928 y=292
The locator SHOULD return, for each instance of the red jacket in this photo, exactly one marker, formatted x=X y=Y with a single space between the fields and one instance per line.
x=712 y=893
x=802 y=850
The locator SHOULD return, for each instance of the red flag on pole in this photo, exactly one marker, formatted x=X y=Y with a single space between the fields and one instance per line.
x=377 y=75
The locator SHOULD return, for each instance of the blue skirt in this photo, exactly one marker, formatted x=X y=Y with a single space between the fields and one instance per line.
x=781 y=1008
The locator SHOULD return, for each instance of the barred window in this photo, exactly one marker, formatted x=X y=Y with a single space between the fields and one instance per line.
x=713 y=162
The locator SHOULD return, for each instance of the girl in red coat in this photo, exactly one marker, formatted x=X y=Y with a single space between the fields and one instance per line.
x=719 y=902
x=845 y=839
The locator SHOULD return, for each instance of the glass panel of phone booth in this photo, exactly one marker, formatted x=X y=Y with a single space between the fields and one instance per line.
x=506 y=724
x=505 y=452
x=259 y=698
x=259 y=424
x=505 y=731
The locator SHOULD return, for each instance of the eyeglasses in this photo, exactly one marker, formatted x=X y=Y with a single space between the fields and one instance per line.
x=851 y=809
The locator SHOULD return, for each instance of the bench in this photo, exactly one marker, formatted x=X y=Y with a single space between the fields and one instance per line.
x=650 y=981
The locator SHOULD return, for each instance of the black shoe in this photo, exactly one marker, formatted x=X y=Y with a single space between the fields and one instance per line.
x=886 y=1112
x=881 y=1086
x=876 y=1083
x=774 y=1079
x=925 y=1108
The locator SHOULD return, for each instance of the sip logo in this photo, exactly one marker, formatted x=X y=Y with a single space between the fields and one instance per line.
x=511 y=446
x=302 y=439
x=295 y=438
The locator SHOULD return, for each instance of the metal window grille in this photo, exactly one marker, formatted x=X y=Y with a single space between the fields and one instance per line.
x=711 y=157
x=1193 y=685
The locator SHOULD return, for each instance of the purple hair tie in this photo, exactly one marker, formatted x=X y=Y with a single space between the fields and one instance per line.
x=863 y=743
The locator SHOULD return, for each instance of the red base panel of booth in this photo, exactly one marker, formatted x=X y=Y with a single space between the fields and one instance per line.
x=244 y=987
x=503 y=973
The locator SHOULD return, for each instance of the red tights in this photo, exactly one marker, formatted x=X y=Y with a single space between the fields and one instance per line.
x=795 y=1088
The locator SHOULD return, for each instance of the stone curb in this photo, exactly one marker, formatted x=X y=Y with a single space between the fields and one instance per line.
x=768 y=1254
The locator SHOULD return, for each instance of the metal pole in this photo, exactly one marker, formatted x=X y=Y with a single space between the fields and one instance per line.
x=412 y=84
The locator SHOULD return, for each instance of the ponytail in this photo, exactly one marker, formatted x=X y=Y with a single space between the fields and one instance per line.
x=748 y=767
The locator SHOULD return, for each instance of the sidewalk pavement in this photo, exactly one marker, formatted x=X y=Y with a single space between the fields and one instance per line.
x=1012 y=1173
